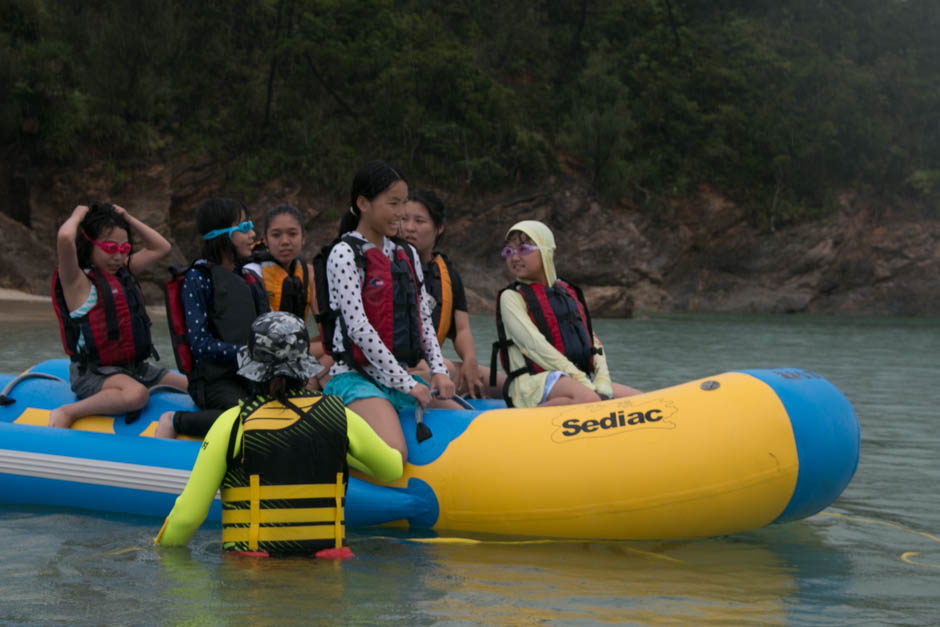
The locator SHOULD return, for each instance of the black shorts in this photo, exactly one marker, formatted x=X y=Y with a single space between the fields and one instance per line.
x=87 y=380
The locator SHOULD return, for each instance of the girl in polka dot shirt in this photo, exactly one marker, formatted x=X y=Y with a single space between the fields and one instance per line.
x=379 y=389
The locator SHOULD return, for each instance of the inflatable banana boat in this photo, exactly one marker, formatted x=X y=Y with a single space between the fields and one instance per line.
x=720 y=455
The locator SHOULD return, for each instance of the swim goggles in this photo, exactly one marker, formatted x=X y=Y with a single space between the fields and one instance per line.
x=112 y=248
x=523 y=250
x=244 y=227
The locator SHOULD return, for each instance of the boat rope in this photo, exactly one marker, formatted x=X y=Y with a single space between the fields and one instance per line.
x=471 y=541
x=6 y=399
x=907 y=555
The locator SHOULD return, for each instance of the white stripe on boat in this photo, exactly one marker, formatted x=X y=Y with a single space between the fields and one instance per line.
x=93 y=471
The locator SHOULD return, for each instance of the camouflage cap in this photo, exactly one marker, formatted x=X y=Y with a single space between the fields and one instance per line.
x=278 y=344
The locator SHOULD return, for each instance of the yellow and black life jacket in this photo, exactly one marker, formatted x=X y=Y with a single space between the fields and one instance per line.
x=288 y=290
x=287 y=495
x=441 y=289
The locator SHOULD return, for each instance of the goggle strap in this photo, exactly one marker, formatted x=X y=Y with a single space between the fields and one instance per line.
x=244 y=227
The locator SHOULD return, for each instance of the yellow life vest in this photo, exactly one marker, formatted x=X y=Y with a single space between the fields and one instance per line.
x=287 y=495
x=287 y=291
x=444 y=296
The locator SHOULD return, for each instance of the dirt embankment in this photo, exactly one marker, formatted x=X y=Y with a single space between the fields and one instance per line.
x=703 y=254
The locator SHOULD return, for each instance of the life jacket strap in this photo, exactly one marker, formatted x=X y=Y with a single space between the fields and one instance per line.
x=283 y=492
x=254 y=512
x=104 y=293
x=266 y=516
x=528 y=368
x=280 y=534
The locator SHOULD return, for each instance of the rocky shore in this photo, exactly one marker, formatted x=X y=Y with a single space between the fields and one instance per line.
x=703 y=254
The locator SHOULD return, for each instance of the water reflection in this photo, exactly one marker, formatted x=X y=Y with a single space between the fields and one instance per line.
x=722 y=581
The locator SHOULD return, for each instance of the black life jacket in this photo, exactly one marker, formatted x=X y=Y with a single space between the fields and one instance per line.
x=287 y=494
x=437 y=279
x=561 y=315
x=390 y=297
x=116 y=331
x=231 y=311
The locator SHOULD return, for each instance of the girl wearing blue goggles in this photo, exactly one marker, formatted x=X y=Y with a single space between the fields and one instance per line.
x=245 y=227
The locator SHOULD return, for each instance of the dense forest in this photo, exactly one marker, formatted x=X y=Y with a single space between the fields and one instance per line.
x=778 y=103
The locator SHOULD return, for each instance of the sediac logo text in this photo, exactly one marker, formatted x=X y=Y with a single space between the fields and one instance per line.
x=615 y=422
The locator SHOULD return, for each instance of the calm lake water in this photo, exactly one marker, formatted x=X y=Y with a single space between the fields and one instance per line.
x=872 y=558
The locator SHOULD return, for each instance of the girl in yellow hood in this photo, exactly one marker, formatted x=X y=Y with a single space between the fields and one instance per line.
x=548 y=348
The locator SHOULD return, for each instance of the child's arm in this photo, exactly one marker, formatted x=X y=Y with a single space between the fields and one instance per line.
x=466 y=349
x=75 y=285
x=156 y=247
x=464 y=344
x=193 y=504
x=526 y=336
x=602 y=384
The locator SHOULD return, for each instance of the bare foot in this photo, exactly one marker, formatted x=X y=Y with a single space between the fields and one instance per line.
x=60 y=418
x=165 y=426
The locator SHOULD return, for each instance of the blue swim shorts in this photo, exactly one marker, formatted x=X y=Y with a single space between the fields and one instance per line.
x=550 y=382
x=352 y=386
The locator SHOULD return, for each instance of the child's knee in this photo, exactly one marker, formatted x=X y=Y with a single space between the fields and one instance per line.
x=136 y=397
x=585 y=395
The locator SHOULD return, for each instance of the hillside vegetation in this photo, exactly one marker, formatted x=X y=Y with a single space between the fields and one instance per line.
x=779 y=103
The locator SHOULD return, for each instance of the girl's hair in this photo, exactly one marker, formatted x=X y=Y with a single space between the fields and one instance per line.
x=434 y=205
x=219 y=213
x=277 y=387
x=290 y=210
x=99 y=219
x=371 y=180
x=523 y=237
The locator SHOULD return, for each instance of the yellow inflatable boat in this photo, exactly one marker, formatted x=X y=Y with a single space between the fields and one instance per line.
x=709 y=457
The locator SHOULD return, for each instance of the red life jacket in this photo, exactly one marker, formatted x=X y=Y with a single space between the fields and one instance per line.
x=561 y=315
x=116 y=332
x=390 y=298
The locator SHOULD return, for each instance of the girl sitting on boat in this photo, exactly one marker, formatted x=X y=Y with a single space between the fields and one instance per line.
x=288 y=280
x=220 y=301
x=545 y=339
x=378 y=322
x=102 y=318
x=423 y=226
x=283 y=453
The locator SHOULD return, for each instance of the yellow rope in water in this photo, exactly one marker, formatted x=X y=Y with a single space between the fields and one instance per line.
x=456 y=540
x=907 y=555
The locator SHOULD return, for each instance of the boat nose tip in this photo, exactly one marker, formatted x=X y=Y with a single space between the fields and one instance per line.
x=826 y=433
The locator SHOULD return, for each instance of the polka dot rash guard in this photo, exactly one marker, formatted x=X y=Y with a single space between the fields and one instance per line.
x=345 y=281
